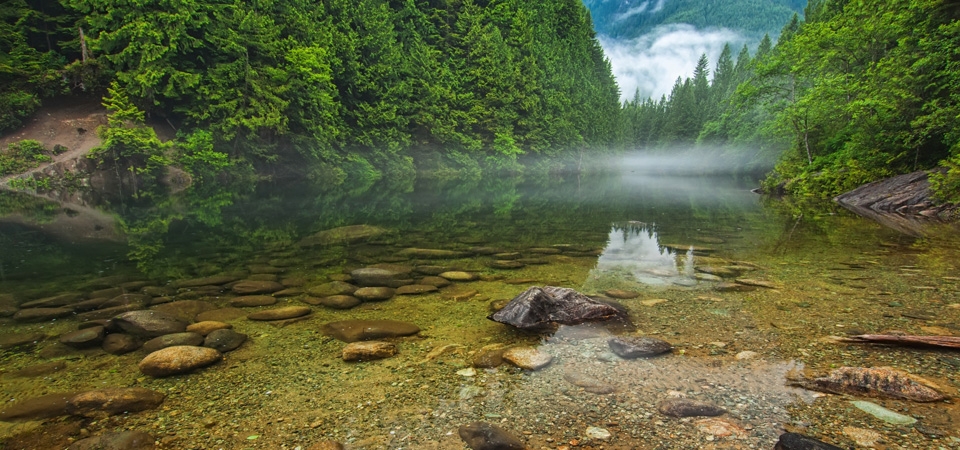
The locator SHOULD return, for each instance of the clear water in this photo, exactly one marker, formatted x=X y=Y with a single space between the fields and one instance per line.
x=828 y=274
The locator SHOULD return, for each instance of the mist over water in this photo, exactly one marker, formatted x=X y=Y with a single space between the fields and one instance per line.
x=651 y=63
x=689 y=161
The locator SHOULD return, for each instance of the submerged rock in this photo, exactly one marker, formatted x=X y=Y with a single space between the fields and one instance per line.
x=114 y=401
x=123 y=440
x=485 y=436
x=149 y=323
x=684 y=407
x=365 y=330
x=178 y=359
x=368 y=350
x=537 y=308
x=343 y=235
x=873 y=381
x=527 y=358
x=43 y=407
x=638 y=347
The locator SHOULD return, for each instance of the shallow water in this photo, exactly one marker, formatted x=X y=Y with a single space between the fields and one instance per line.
x=828 y=273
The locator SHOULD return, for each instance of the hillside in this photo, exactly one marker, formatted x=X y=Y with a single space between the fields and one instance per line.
x=625 y=19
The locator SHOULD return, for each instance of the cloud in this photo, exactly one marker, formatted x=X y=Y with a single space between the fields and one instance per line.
x=652 y=62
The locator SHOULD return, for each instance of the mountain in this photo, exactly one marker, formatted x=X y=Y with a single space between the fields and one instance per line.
x=626 y=19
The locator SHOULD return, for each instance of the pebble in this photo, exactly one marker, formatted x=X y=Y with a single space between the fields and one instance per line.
x=598 y=433
x=374 y=294
x=459 y=276
x=862 y=436
x=884 y=414
x=638 y=347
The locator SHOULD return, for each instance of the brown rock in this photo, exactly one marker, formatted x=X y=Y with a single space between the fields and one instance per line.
x=253 y=300
x=874 y=381
x=459 y=276
x=374 y=294
x=684 y=407
x=13 y=340
x=123 y=440
x=365 y=330
x=170 y=340
x=185 y=310
x=485 y=436
x=368 y=350
x=149 y=323
x=84 y=338
x=415 y=289
x=119 y=343
x=332 y=288
x=334 y=301
x=43 y=407
x=250 y=287
x=286 y=312
x=106 y=313
x=177 y=360
x=205 y=327
x=114 y=401
x=489 y=358
x=527 y=358
x=33 y=315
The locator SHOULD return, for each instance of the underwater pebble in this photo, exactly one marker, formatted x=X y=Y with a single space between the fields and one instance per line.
x=884 y=414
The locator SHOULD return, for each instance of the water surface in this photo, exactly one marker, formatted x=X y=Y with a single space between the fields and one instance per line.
x=677 y=241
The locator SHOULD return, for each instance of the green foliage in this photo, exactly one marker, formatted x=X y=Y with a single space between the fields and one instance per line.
x=129 y=145
x=945 y=183
x=197 y=156
x=22 y=156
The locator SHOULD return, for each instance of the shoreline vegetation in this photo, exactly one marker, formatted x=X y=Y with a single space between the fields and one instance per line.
x=354 y=93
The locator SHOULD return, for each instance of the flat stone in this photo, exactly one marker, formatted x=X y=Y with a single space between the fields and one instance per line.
x=435 y=281
x=113 y=401
x=368 y=350
x=119 y=343
x=343 y=235
x=224 y=340
x=527 y=358
x=288 y=292
x=429 y=253
x=286 y=312
x=13 y=340
x=215 y=280
x=222 y=315
x=506 y=265
x=621 y=294
x=332 y=288
x=84 y=338
x=333 y=301
x=796 y=441
x=684 y=407
x=638 y=347
x=252 y=300
x=485 y=436
x=733 y=287
x=43 y=407
x=251 y=287
x=883 y=414
x=185 y=310
x=374 y=294
x=386 y=275
x=170 y=340
x=178 y=359
x=758 y=283
x=149 y=324
x=459 y=276
x=365 y=330
x=588 y=383
x=207 y=326
x=416 y=289
x=64 y=299
x=38 y=370
x=140 y=300
x=8 y=305
x=506 y=256
x=488 y=358
x=106 y=313
x=122 y=440
x=33 y=315
x=107 y=293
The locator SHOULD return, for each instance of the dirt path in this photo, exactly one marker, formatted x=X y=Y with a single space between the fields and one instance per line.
x=72 y=123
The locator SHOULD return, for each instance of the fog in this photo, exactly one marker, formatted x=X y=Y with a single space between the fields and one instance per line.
x=690 y=161
x=652 y=62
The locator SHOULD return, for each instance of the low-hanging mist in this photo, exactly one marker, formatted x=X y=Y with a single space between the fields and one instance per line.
x=651 y=63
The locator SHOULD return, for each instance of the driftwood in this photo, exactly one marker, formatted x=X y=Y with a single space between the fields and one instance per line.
x=936 y=341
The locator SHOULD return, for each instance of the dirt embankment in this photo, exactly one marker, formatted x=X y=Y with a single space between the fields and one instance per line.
x=71 y=123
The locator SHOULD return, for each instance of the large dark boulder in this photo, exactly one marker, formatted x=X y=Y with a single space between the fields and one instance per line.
x=538 y=308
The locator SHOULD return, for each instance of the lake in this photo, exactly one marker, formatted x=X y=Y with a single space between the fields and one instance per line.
x=751 y=292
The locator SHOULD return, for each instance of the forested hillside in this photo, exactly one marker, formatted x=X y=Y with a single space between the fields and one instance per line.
x=343 y=87
x=856 y=92
x=624 y=19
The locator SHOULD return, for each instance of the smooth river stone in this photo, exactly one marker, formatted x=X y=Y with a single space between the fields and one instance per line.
x=527 y=358
x=435 y=281
x=251 y=287
x=588 y=383
x=365 y=330
x=428 y=253
x=253 y=300
x=65 y=299
x=178 y=359
x=638 y=347
x=684 y=407
x=333 y=301
x=224 y=340
x=506 y=264
x=119 y=343
x=14 y=340
x=33 y=315
x=215 y=280
x=125 y=440
x=207 y=326
x=186 y=310
x=459 y=276
x=286 y=312
x=416 y=289
x=170 y=340
x=43 y=407
x=368 y=350
x=388 y=276
x=621 y=294
x=374 y=294
x=332 y=288
x=149 y=323
x=795 y=441
x=884 y=414
x=87 y=337
x=114 y=401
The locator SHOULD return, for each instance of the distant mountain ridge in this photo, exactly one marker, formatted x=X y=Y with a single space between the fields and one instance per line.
x=625 y=19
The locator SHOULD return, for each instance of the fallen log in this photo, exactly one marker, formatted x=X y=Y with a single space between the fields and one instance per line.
x=935 y=341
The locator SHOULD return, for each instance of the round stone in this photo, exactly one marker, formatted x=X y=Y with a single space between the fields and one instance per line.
x=287 y=312
x=527 y=358
x=178 y=359
x=374 y=294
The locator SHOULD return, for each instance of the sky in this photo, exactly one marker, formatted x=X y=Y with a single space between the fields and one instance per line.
x=652 y=62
